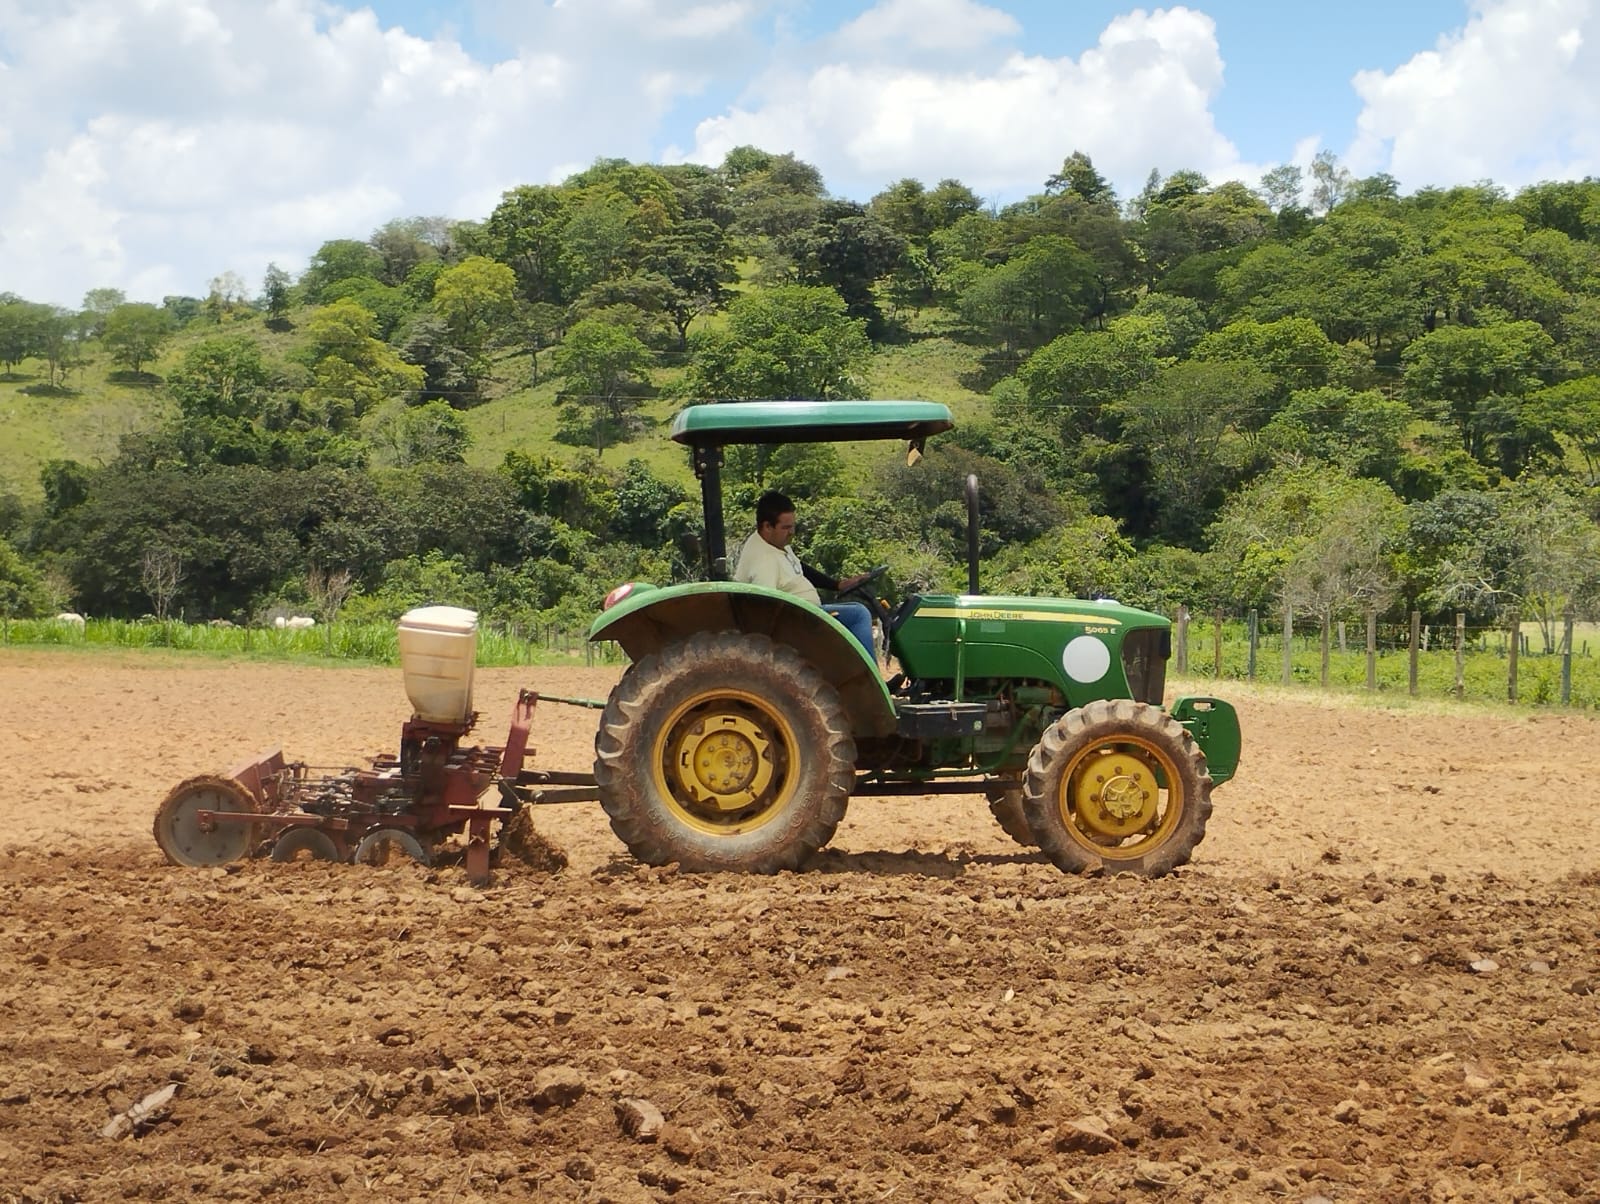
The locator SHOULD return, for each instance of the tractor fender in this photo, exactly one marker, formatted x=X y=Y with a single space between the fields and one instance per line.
x=1214 y=724
x=648 y=619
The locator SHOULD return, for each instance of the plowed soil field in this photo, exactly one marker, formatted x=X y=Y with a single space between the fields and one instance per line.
x=1379 y=980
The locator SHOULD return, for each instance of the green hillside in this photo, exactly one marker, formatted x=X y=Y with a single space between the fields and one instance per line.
x=1197 y=394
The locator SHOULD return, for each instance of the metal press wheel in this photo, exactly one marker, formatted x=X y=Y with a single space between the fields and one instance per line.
x=317 y=846
x=178 y=830
x=1118 y=786
x=725 y=751
x=382 y=845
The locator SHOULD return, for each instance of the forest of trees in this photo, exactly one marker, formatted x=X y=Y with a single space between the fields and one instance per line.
x=1318 y=392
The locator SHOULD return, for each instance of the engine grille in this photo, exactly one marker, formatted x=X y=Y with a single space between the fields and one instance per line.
x=1144 y=660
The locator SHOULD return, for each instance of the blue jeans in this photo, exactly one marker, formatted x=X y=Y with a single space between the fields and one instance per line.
x=858 y=620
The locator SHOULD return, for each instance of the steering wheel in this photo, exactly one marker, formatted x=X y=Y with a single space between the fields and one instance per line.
x=863 y=592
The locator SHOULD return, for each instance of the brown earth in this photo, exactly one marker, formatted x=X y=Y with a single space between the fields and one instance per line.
x=1379 y=979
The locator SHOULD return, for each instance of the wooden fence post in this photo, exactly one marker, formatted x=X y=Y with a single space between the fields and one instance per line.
x=1181 y=653
x=1253 y=623
x=1342 y=648
x=1327 y=629
x=1288 y=643
x=1461 y=655
x=1416 y=645
x=1218 y=646
x=1515 y=621
x=1372 y=649
x=1566 y=655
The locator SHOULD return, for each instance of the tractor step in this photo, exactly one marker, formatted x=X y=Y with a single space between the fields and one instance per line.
x=940 y=720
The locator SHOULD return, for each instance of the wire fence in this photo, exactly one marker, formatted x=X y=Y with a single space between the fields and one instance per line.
x=1499 y=663
x=1481 y=663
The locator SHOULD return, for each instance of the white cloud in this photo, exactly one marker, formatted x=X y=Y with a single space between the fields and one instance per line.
x=1514 y=96
x=1139 y=99
x=901 y=26
x=152 y=146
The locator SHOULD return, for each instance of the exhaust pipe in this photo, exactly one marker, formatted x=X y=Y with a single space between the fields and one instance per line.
x=972 y=533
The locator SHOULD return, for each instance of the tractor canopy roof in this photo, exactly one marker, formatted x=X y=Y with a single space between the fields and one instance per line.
x=721 y=423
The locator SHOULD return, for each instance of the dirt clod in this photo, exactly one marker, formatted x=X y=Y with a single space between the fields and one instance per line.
x=521 y=840
x=639 y=1119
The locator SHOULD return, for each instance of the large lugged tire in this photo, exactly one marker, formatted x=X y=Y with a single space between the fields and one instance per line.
x=1118 y=786
x=724 y=752
x=1005 y=804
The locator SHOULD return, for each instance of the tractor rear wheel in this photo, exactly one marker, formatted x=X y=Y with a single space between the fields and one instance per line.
x=725 y=751
x=179 y=832
x=1118 y=786
x=1005 y=804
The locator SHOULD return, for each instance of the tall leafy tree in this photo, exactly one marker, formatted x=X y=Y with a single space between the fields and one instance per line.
x=848 y=250
x=406 y=243
x=696 y=261
x=605 y=369
x=339 y=259
x=1311 y=537
x=1184 y=425
x=1360 y=433
x=1040 y=293
x=1293 y=350
x=275 y=292
x=1281 y=185
x=429 y=433
x=1079 y=178
x=474 y=298
x=1572 y=409
x=98 y=304
x=1473 y=377
x=134 y=334
x=22 y=326
x=58 y=346
x=352 y=370
x=793 y=341
x=221 y=377
x=526 y=232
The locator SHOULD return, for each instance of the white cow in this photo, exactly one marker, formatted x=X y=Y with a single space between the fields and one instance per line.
x=69 y=618
x=294 y=622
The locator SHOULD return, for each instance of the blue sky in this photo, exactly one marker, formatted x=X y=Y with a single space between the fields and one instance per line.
x=155 y=147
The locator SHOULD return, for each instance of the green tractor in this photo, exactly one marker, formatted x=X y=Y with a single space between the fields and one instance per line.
x=748 y=718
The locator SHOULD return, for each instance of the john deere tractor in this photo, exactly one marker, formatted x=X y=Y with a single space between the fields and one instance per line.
x=748 y=718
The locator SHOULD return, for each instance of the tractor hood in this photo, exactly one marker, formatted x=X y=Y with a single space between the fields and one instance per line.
x=1086 y=649
x=1004 y=607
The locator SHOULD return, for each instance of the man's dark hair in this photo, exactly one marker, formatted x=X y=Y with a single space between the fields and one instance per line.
x=771 y=506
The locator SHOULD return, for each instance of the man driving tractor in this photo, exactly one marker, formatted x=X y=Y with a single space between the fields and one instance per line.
x=766 y=559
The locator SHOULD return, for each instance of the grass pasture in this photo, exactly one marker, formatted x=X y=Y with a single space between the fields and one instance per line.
x=360 y=643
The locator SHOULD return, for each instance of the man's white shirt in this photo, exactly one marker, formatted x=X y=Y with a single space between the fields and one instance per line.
x=775 y=568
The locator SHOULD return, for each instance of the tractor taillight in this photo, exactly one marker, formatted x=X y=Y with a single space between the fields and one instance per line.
x=616 y=595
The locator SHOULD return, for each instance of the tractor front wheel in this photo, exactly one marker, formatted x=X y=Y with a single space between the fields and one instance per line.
x=724 y=752
x=1118 y=786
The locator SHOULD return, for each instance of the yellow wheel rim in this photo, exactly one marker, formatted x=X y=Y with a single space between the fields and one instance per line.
x=724 y=762
x=1113 y=801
